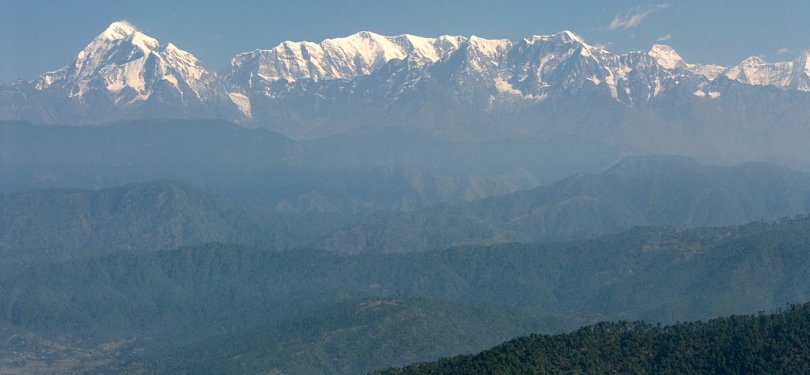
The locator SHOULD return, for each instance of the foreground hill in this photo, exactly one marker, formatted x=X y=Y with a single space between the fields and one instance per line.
x=349 y=337
x=217 y=292
x=354 y=336
x=648 y=190
x=763 y=344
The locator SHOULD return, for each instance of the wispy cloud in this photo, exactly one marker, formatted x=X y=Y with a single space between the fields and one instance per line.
x=664 y=38
x=634 y=16
x=782 y=51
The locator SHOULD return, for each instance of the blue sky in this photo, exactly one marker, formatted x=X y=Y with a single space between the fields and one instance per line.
x=37 y=35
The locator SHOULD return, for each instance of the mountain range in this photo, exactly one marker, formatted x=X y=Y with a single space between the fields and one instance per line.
x=370 y=201
x=451 y=86
x=365 y=170
x=162 y=214
x=637 y=191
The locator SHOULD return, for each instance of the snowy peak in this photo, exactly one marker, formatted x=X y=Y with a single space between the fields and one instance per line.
x=755 y=70
x=666 y=56
x=562 y=40
x=118 y=30
x=569 y=36
x=564 y=36
x=542 y=65
x=120 y=33
x=753 y=61
x=669 y=59
x=537 y=66
x=550 y=50
x=422 y=50
x=484 y=56
x=127 y=66
x=123 y=71
x=344 y=58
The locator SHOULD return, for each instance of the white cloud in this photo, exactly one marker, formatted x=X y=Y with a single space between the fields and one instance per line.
x=634 y=16
x=782 y=51
x=664 y=38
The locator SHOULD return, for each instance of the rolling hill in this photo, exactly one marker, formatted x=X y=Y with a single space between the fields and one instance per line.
x=647 y=190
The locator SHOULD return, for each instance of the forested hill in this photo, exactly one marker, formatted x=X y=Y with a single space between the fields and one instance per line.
x=145 y=216
x=763 y=344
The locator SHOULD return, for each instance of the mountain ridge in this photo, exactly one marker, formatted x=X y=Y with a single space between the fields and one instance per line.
x=765 y=344
x=455 y=87
x=357 y=55
x=643 y=190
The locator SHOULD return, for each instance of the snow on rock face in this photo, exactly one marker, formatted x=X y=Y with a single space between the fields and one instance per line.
x=666 y=56
x=536 y=66
x=242 y=102
x=709 y=71
x=117 y=30
x=482 y=59
x=784 y=74
x=542 y=61
x=756 y=71
x=492 y=48
x=564 y=63
x=805 y=59
x=800 y=77
x=127 y=65
x=340 y=58
x=122 y=68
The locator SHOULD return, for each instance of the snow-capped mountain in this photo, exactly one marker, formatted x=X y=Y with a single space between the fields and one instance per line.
x=754 y=70
x=540 y=85
x=463 y=88
x=532 y=68
x=668 y=58
x=313 y=90
x=341 y=58
x=122 y=73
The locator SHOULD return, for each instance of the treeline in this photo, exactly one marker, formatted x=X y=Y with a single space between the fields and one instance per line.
x=761 y=344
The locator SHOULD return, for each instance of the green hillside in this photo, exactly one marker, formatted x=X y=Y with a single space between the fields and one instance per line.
x=762 y=344
x=193 y=295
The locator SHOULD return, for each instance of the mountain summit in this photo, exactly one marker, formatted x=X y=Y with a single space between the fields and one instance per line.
x=130 y=67
x=123 y=73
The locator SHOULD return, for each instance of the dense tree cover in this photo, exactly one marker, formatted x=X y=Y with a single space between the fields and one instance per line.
x=761 y=344
x=213 y=292
x=648 y=273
